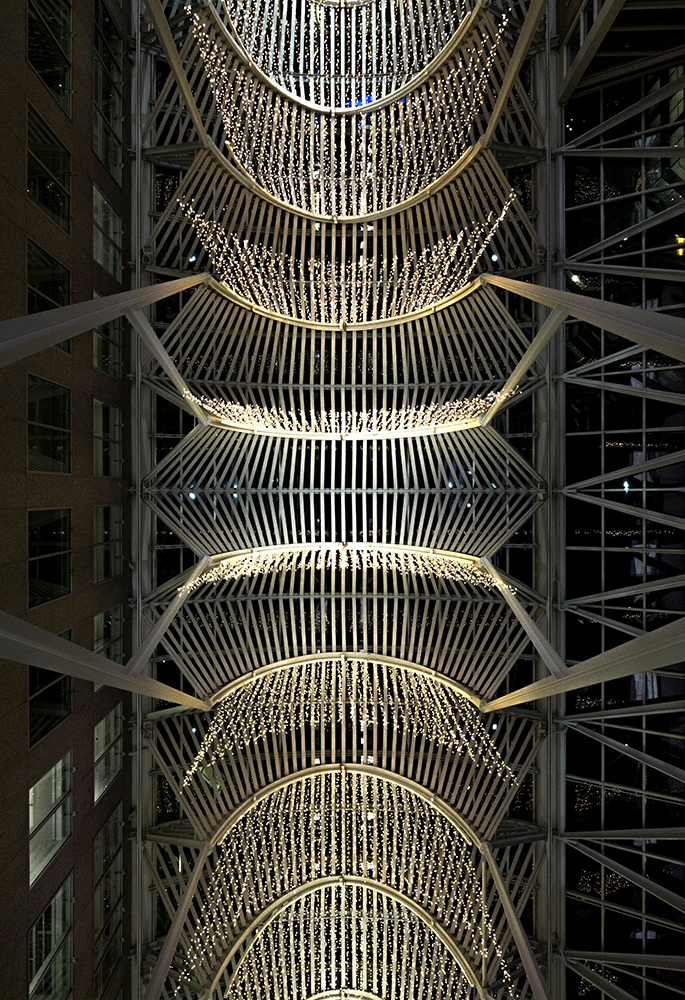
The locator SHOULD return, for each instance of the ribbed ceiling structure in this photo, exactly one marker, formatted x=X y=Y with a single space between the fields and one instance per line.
x=344 y=827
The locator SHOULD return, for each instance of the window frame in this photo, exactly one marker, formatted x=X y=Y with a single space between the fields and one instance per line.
x=60 y=808
x=62 y=898
x=107 y=926
x=105 y=647
x=110 y=750
x=101 y=441
x=107 y=548
x=65 y=221
x=66 y=552
x=102 y=240
x=116 y=344
x=102 y=125
x=53 y=427
x=64 y=101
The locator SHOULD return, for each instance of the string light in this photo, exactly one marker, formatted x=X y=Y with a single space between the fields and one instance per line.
x=335 y=54
x=349 y=691
x=349 y=423
x=344 y=825
x=343 y=158
x=344 y=555
x=317 y=290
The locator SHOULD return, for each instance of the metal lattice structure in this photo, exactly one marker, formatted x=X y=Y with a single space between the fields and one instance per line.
x=402 y=745
x=343 y=494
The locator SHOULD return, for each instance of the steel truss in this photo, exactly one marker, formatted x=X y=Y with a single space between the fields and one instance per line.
x=349 y=742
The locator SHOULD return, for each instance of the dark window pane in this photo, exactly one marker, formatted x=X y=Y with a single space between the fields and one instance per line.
x=49 y=578
x=49 y=544
x=49 y=44
x=50 y=706
x=49 y=281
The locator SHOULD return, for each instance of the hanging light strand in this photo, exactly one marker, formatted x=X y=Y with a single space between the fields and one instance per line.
x=341 y=556
x=347 y=423
x=351 y=292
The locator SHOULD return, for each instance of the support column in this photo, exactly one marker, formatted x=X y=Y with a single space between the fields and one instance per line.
x=29 y=644
x=22 y=337
x=661 y=648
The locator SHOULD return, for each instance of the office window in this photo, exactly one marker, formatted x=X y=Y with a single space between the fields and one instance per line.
x=108 y=542
x=49 y=816
x=49 y=701
x=107 y=235
x=49 y=281
x=107 y=750
x=49 y=46
x=107 y=901
x=49 y=547
x=108 y=633
x=48 y=180
x=106 y=439
x=49 y=426
x=107 y=347
x=51 y=950
x=107 y=76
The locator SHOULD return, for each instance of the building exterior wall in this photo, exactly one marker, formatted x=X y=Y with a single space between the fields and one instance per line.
x=22 y=219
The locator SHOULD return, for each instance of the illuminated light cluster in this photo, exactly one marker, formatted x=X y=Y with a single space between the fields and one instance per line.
x=355 y=929
x=345 y=159
x=335 y=824
x=352 y=292
x=349 y=423
x=339 y=556
x=336 y=53
x=341 y=690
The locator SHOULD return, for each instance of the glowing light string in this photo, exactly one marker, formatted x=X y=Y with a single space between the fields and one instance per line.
x=343 y=555
x=376 y=694
x=359 y=171
x=349 y=423
x=352 y=292
x=341 y=51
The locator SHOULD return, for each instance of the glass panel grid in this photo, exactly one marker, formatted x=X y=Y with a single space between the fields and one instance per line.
x=49 y=552
x=107 y=235
x=107 y=457
x=49 y=171
x=49 y=46
x=107 y=91
x=50 y=948
x=49 y=816
x=49 y=426
x=108 y=542
x=108 y=741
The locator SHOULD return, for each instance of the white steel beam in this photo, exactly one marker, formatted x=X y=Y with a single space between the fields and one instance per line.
x=677 y=773
x=26 y=335
x=661 y=648
x=595 y=36
x=144 y=651
x=673 y=899
x=647 y=833
x=166 y=955
x=142 y=324
x=525 y=37
x=625 y=508
x=629 y=958
x=29 y=644
x=548 y=654
x=530 y=963
x=647 y=327
x=668 y=458
x=550 y=326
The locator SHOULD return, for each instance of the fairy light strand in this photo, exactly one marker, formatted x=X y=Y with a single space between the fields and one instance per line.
x=342 y=292
x=341 y=556
x=346 y=423
x=378 y=694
